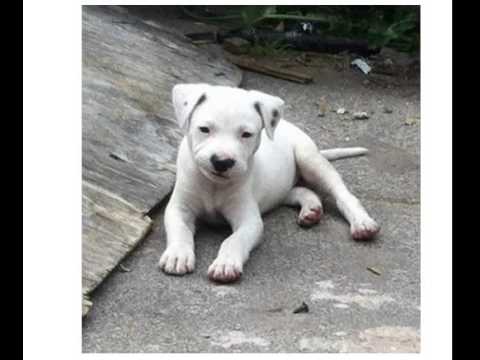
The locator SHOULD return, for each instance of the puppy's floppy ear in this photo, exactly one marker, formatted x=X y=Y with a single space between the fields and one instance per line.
x=270 y=109
x=186 y=98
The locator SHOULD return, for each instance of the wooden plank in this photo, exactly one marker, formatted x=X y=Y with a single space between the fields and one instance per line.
x=111 y=228
x=129 y=68
x=129 y=135
x=268 y=69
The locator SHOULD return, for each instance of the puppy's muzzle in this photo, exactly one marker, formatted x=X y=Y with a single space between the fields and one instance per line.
x=221 y=165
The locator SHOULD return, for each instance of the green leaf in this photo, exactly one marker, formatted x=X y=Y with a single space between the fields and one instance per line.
x=253 y=14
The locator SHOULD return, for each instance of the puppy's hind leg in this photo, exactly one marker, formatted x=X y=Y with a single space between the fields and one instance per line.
x=319 y=173
x=310 y=205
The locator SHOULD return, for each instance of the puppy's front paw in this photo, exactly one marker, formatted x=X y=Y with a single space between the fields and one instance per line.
x=177 y=260
x=225 y=270
x=364 y=229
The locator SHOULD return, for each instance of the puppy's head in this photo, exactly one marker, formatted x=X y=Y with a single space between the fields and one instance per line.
x=224 y=125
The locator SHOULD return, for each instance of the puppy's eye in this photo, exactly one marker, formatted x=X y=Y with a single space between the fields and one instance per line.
x=246 y=134
x=204 y=129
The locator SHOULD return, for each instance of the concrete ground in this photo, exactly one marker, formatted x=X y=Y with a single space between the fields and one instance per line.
x=351 y=309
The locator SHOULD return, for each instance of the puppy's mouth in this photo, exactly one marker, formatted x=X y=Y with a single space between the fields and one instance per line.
x=217 y=174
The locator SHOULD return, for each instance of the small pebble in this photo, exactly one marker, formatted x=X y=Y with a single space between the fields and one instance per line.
x=387 y=110
x=411 y=121
x=322 y=107
x=341 y=111
x=360 y=115
x=301 y=309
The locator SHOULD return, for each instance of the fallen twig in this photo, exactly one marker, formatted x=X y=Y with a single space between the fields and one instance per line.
x=374 y=270
x=123 y=268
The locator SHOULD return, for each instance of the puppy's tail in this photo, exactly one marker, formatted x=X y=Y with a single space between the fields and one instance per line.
x=340 y=153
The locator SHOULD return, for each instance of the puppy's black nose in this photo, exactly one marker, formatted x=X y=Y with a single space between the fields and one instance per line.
x=221 y=165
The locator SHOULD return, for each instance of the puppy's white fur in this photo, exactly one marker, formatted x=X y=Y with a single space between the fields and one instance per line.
x=270 y=157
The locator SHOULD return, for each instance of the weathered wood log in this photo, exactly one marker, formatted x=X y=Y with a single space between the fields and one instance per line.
x=278 y=72
x=111 y=228
x=129 y=134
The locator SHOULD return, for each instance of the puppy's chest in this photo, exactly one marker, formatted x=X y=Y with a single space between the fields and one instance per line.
x=212 y=207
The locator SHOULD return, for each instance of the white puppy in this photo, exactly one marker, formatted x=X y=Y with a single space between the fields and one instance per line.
x=238 y=159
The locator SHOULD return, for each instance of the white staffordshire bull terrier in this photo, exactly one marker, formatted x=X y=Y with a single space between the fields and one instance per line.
x=239 y=159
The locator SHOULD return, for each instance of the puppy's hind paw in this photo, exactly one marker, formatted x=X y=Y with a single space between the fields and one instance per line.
x=309 y=216
x=365 y=229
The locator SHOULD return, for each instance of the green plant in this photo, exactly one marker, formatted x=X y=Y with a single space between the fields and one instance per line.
x=394 y=26
x=248 y=16
x=275 y=48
